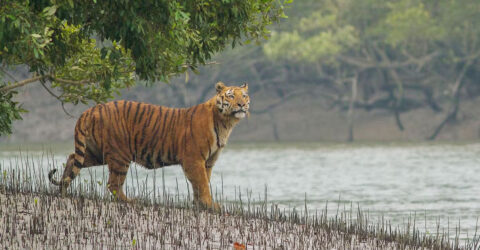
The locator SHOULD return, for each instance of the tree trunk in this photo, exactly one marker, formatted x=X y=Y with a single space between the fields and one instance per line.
x=398 y=99
x=396 y=106
x=276 y=137
x=351 y=107
x=453 y=111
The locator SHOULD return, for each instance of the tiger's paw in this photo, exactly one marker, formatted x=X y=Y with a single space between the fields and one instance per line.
x=216 y=207
x=211 y=206
x=124 y=199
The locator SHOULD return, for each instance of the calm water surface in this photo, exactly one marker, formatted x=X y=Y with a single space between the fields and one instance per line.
x=436 y=183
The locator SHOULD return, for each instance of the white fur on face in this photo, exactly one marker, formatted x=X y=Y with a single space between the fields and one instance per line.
x=239 y=115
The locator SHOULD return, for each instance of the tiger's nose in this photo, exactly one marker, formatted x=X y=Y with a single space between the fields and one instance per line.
x=241 y=105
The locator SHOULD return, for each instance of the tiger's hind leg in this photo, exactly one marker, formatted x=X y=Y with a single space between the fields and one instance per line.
x=71 y=170
x=118 y=170
x=69 y=174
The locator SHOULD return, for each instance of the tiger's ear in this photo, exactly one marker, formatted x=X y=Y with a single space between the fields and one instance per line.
x=245 y=86
x=219 y=86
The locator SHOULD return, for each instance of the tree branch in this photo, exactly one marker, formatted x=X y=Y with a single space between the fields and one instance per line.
x=277 y=103
x=73 y=82
x=42 y=77
x=22 y=83
x=186 y=65
x=8 y=74
x=366 y=64
x=452 y=114
x=58 y=98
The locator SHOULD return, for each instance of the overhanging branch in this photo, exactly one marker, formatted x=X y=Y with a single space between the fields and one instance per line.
x=42 y=77
x=22 y=83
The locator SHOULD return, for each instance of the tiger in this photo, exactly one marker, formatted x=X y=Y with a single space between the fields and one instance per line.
x=120 y=132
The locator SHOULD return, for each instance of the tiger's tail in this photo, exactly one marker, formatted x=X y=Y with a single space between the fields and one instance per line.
x=52 y=180
x=74 y=162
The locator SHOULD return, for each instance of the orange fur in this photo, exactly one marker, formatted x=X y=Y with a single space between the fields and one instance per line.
x=119 y=132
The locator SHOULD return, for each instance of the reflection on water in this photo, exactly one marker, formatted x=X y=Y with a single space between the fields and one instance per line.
x=433 y=182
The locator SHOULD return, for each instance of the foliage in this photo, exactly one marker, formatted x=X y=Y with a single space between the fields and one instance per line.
x=88 y=50
x=409 y=22
x=9 y=111
x=108 y=70
x=166 y=36
x=404 y=54
x=312 y=45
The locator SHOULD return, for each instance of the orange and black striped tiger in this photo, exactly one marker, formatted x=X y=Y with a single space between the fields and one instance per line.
x=119 y=132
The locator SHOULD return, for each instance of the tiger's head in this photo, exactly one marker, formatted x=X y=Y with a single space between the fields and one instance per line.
x=232 y=101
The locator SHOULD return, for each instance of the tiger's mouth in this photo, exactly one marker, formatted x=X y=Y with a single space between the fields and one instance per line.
x=239 y=113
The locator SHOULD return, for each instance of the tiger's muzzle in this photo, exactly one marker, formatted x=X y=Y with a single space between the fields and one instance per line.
x=240 y=112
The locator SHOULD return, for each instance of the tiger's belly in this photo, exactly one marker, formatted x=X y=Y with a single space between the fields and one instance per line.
x=152 y=162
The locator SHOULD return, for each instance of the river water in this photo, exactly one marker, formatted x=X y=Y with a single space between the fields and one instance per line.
x=435 y=183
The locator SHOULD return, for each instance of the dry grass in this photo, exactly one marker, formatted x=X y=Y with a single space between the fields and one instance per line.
x=33 y=216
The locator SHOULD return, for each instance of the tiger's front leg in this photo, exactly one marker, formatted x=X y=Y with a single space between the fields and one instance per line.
x=196 y=173
x=211 y=162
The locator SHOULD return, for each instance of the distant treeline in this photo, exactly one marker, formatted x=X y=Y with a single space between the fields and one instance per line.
x=395 y=55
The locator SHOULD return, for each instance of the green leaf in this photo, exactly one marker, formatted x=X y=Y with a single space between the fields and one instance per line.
x=49 y=11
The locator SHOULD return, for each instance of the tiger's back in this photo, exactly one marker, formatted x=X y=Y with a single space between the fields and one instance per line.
x=134 y=131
